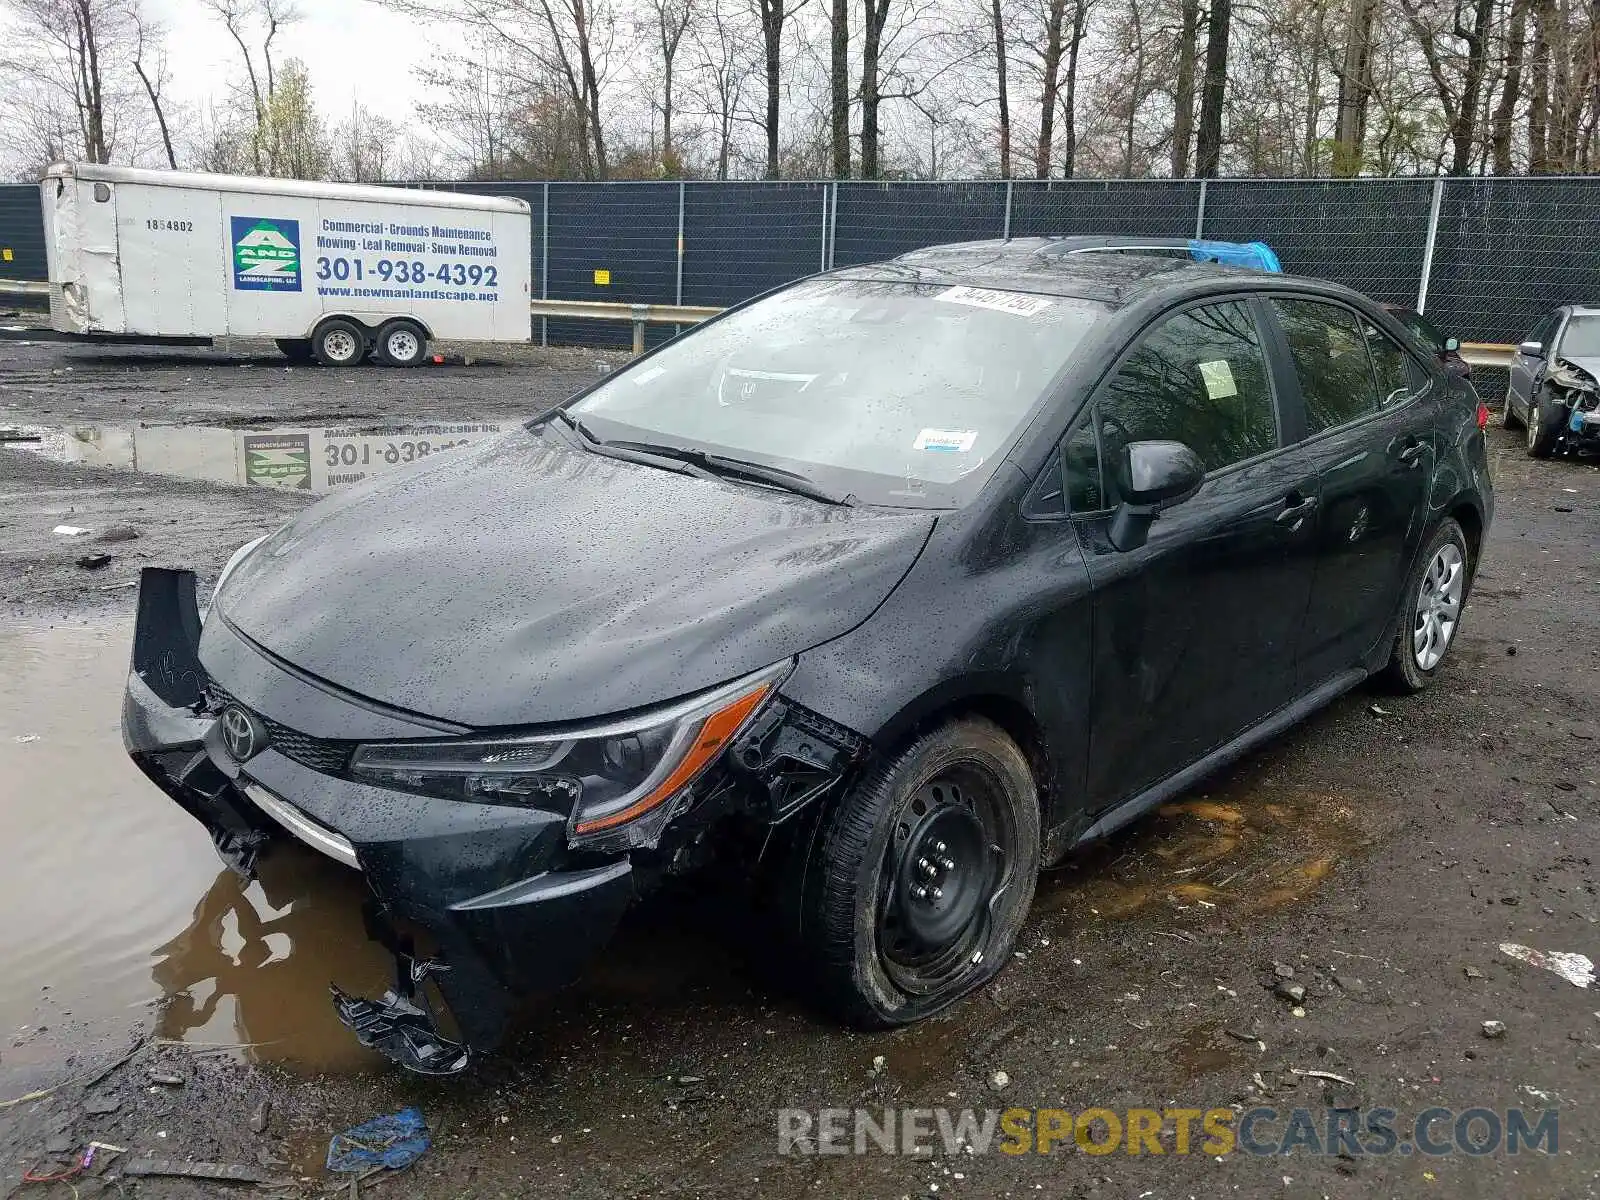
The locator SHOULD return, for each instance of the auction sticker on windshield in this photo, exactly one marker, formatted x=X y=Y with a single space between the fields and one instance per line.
x=954 y=441
x=1019 y=304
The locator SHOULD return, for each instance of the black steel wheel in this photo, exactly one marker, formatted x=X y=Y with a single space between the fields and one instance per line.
x=918 y=880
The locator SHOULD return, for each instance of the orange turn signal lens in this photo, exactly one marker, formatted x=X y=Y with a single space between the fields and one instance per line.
x=715 y=732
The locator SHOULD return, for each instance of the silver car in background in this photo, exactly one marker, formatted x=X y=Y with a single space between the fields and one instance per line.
x=1554 y=390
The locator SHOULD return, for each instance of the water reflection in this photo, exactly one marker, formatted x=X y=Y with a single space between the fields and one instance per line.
x=253 y=966
x=317 y=459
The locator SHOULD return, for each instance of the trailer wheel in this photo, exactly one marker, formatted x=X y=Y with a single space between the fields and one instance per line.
x=295 y=349
x=339 y=343
x=401 y=343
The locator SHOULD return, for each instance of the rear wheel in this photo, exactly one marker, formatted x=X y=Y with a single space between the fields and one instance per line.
x=295 y=349
x=339 y=343
x=921 y=875
x=401 y=343
x=1545 y=420
x=1435 y=593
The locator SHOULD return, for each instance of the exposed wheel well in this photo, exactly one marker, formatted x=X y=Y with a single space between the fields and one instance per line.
x=1017 y=722
x=1471 y=524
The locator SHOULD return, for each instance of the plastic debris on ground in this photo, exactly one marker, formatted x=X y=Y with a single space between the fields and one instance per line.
x=1574 y=968
x=394 y=1142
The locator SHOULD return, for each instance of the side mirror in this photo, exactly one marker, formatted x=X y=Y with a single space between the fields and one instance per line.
x=1152 y=477
x=1531 y=349
x=1452 y=344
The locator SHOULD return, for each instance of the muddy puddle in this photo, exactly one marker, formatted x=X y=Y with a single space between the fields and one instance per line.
x=118 y=913
x=1246 y=847
x=316 y=459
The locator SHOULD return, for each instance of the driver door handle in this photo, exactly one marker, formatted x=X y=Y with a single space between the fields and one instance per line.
x=1411 y=453
x=1296 y=508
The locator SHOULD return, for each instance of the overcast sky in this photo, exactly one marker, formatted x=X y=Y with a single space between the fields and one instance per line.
x=354 y=50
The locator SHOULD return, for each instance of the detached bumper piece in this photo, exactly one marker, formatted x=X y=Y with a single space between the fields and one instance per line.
x=401 y=1026
x=492 y=888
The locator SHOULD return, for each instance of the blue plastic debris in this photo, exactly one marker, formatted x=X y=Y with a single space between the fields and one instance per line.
x=394 y=1142
x=1236 y=254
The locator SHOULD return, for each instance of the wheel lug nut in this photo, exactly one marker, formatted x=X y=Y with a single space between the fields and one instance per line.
x=924 y=866
x=920 y=892
x=938 y=847
x=948 y=864
x=937 y=893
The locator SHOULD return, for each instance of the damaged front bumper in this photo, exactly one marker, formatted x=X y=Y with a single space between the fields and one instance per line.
x=508 y=907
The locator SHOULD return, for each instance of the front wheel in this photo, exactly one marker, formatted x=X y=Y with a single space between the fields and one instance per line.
x=1545 y=420
x=1435 y=592
x=921 y=875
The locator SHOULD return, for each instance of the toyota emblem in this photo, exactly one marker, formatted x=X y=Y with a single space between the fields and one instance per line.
x=240 y=735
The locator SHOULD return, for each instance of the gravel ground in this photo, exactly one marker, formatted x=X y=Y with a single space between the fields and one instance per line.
x=1382 y=852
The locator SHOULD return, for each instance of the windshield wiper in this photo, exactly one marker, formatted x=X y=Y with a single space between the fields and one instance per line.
x=627 y=452
x=738 y=468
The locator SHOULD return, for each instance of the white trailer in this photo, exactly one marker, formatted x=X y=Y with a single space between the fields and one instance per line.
x=332 y=271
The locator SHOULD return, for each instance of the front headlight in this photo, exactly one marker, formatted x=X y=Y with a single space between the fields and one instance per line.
x=601 y=775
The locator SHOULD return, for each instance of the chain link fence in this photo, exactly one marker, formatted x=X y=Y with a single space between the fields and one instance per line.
x=1485 y=256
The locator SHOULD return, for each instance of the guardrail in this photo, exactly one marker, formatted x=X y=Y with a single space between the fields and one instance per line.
x=639 y=314
x=1487 y=354
x=24 y=287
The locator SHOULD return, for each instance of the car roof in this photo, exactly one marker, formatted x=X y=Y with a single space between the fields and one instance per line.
x=1038 y=264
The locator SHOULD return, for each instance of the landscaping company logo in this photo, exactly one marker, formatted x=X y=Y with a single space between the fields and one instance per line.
x=278 y=460
x=266 y=254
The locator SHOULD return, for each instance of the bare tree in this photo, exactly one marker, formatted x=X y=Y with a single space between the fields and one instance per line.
x=148 y=40
x=774 y=17
x=672 y=19
x=839 y=86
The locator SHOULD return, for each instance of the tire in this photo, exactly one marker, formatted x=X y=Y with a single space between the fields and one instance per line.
x=1545 y=422
x=1435 y=594
x=400 y=343
x=339 y=343
x=1508 y=414
x=918 y=880
x=295 y=349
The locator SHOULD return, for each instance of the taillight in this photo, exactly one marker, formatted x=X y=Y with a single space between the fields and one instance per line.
x=1483 y=415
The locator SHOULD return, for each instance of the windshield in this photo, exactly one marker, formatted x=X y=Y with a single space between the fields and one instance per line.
x=1582 y=338
x=898 y=393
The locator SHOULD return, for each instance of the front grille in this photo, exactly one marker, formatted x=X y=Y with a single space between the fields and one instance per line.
x=320 y=754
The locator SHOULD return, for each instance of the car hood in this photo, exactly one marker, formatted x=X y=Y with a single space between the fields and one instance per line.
x=523 y=581
x=1590 y=366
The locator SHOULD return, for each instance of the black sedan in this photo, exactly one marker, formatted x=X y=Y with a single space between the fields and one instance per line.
x=884 y=590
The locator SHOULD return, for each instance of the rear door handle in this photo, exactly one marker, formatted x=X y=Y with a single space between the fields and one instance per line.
x=1296 y=508
x=1411 y=453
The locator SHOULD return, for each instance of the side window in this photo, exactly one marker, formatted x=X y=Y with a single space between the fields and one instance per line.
x=1197 y=377
x=1397 y=377
x=1330 y=359
x=1080 y=463
x=1545 y=329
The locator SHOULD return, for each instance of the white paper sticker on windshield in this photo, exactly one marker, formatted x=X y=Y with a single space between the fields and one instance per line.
x=1018 y=304
x=644 y=377
x=1218 y=378
x=950 y=441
